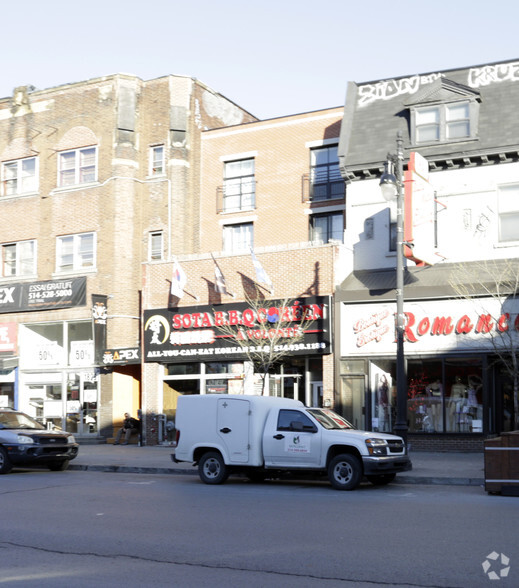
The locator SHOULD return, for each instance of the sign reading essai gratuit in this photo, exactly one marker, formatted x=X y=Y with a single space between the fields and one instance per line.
x=192 y=333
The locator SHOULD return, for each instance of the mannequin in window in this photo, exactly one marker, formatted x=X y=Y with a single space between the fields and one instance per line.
x=457 y=401
x=435 y=395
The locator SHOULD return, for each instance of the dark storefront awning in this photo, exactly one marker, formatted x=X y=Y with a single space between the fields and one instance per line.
x=443 y=280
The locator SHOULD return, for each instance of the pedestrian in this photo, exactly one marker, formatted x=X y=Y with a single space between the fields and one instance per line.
x=130 y=427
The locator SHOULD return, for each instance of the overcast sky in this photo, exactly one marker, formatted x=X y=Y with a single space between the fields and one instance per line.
x=272 y=57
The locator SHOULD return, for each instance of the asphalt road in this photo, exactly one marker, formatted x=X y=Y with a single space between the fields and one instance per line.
x=88 y=528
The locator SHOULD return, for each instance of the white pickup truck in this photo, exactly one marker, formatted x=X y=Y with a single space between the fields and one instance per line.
x=262 y=436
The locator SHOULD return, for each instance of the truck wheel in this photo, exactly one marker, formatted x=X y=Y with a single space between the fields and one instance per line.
x=381 y=479
x=344 y=472
x=5 y=463
x=212 y=469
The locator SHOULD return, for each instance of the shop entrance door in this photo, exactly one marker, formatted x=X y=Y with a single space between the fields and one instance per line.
x=81 y=403
x=353 y=400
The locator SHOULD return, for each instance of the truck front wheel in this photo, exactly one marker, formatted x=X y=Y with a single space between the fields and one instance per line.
x=344 y=472
x=212 y=469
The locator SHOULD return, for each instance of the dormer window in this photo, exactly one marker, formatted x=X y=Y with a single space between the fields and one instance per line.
x=444 y=112
x=443 y=122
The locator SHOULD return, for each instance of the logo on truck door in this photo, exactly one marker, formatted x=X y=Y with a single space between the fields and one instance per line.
x=297 y=444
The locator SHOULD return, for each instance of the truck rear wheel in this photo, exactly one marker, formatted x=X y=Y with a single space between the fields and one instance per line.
x=212 y=469
x=344 y=472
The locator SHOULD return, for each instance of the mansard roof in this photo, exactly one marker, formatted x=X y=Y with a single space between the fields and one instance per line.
x=376 y=111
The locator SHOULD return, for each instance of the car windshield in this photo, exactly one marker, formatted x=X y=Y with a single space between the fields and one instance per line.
x=18 y=420
x=330 y=419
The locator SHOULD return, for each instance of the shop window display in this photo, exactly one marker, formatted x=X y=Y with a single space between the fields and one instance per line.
x=443 y=396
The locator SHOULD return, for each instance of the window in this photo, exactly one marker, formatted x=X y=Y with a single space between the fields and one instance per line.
x=237 y=237
x=443 y=122
x=75 y=252
x=19 y=259
x=157 y=160
x=295 y=420
x=77 y=167
x=156 y=246
x=508 y=205
x=19 y=177
x=326 y=227
x=325 y=177
x=239 y=185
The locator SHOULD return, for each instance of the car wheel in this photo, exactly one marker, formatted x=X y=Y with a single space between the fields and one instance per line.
x=59 y=466
x=5 y=463
x=212 y=469
x=381 y=479
x=344 y=472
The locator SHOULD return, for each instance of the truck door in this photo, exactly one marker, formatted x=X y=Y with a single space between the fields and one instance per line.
x=291 y=439
x=232 y=424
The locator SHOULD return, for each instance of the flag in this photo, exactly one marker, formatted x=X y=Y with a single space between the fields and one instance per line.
x=261 y=274
x=219 y=280
x=178 y=280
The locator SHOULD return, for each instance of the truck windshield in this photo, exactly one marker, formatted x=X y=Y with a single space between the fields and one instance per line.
x=329 y=419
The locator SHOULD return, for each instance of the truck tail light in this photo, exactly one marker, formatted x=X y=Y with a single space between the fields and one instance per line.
x=176 y=439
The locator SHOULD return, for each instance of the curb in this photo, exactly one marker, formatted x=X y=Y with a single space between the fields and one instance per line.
x=422 y=480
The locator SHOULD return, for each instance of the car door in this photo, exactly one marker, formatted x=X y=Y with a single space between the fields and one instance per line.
x=292 y=440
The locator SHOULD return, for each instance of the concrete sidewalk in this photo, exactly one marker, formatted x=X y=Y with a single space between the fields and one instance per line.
x=462 y=469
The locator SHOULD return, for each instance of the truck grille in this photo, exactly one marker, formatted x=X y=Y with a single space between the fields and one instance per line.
x=396 y=446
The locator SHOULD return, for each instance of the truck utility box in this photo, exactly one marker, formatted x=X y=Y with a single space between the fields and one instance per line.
x=262 y=436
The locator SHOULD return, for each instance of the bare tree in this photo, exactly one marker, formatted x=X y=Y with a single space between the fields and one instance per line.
x=497 y=280
x=278 y=327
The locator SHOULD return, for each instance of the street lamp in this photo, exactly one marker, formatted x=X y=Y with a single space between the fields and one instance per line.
x=391 y=185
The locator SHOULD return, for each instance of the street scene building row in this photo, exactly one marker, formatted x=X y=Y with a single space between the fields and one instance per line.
x=146 y=215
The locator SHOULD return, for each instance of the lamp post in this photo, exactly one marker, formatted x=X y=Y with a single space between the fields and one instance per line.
x=391 y=185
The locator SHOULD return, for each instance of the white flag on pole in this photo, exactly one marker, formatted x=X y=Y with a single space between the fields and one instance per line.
x=261 y=274
x=219 y=279
x=178 y=280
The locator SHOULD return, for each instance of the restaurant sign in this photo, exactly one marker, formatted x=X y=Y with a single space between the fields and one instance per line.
x=229 y=331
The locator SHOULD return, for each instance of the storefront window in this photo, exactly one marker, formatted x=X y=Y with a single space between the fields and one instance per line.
x=425 y=396
x=464 y=396
x=224 y=367
x=443 y=396
x=182 y=369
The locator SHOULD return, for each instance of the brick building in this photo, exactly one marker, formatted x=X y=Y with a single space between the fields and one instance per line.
x=274 y=187
x=98 y=177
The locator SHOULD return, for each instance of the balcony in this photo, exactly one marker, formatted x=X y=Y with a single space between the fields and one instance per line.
x=323 y=184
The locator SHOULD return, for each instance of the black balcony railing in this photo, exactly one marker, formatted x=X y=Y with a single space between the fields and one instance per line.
x=323 y=184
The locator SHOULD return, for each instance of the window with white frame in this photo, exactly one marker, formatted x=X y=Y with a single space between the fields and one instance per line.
x=19 y=259
x=443 y=122
x=238 y=237
x=76 y=252
x=156 y=246
x=508 y=206
x=157 y=160
x=327 y=227
x=78 y=166
x=239 y=188
x=325 y=177
x=19 y=176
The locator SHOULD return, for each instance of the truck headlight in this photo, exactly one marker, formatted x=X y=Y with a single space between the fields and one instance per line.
x=71 y=439
x=376 y=446
x=25 y=440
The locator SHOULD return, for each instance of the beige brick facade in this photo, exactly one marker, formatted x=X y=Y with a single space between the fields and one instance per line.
x=122 y=117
